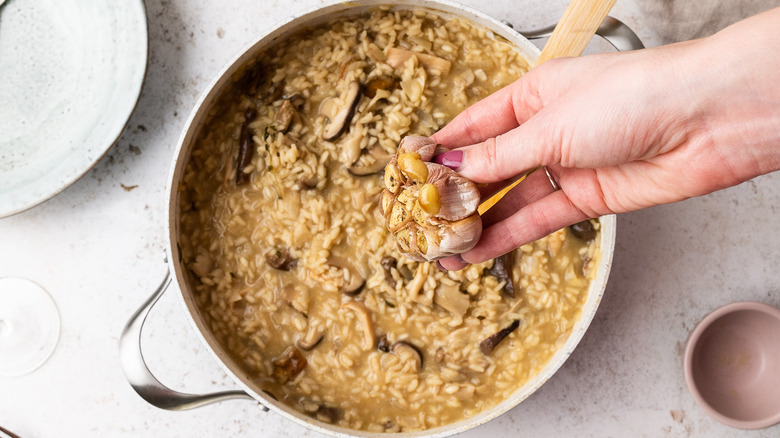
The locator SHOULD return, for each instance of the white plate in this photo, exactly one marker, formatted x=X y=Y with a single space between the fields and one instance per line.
x=70 y=75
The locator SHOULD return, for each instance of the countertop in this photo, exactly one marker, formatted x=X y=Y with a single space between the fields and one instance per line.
x=98 y=249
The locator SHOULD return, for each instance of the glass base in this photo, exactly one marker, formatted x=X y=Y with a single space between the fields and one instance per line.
x=29 y=326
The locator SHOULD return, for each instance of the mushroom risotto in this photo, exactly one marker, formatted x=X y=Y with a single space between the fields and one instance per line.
x=281 y=232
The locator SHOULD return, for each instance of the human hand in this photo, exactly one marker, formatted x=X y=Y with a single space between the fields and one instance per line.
x=621 y=132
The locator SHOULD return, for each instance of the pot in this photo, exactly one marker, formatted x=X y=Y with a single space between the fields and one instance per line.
x=157 y=394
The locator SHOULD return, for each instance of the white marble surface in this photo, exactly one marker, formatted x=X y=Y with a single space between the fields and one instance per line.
x=97 y=248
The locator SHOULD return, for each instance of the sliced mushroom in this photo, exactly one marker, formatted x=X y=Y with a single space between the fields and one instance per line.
x=388 y=263
x=406 y=273
x=279 y=258
x=391 y=426
x=289 y=364
x=351 y=147
x=328 y=414
x=365 y=320
x=502 y=270
x=340 y=122
x=583 y=231
x=387 y=83
x=296 y=100
x=372 y=161
x=309 y=182
x=312 y=338
x=246 y=147
x=408 y=353
x=274 y=92
x=396 y=58
x=355 y=281
x=284 y=116
x=488 y=345
x=355 y=284
x=329 y=107
x=383 y=344
x=449 y=297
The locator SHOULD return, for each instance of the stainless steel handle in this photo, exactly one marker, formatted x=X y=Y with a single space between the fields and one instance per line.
x=614 y=31
x=143 y=381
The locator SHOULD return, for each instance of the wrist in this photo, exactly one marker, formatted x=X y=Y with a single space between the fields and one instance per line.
x=742 y=114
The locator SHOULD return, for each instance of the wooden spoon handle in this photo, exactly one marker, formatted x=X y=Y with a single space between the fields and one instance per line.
x=576 y=28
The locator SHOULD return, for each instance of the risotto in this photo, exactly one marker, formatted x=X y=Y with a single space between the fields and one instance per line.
x=281 y=232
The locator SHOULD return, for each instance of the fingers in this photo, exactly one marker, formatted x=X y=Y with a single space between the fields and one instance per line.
x=504 y=156
x=531 y=223
x=488 y=190
x=534 y=187
x=500 y=112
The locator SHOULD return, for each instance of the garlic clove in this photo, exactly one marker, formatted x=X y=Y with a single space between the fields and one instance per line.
x=419 y=144
x=460 y=236
x=439 y=150
x=458 y=196
x=393 y=177
x=452 y=238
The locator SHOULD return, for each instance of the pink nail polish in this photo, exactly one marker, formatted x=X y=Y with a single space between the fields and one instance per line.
x=460 y=259
x=451 y=159
x=440 y=266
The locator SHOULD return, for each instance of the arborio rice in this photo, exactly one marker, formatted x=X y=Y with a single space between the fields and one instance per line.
x=282 y=233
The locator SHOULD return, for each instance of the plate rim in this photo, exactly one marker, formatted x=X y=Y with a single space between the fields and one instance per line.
x=77 y=173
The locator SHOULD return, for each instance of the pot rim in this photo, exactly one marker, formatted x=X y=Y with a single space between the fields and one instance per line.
x=311 y=17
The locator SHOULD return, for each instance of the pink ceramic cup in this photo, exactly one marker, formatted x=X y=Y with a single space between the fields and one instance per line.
x=732 y=365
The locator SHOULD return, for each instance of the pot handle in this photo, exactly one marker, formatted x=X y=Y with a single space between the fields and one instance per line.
x=614 y=31
x=143 y=381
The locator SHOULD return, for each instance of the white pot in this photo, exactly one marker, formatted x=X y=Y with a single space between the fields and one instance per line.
x=157 y=394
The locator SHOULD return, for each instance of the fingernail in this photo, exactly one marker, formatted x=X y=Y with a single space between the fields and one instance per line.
x=439 y=265
x=451 y=159
x=460 y=259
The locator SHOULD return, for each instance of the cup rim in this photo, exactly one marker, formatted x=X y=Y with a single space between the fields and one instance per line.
x=693 y=340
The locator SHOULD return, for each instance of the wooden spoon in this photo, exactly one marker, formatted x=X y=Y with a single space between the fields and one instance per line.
x=572 y=33
x=576 y=28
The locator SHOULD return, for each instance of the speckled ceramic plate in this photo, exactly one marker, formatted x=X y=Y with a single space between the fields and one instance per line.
x=70 y=75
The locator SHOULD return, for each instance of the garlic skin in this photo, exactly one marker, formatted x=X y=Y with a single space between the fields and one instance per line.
x=454 y=228
x=459 y=196
x=419 y=144
x=455 y=237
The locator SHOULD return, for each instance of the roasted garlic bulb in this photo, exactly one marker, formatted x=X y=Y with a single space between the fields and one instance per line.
x=430 y=210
